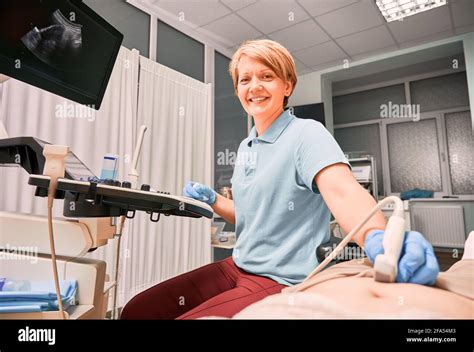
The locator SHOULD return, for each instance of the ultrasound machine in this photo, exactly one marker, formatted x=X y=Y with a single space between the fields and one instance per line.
x=94 y=209
x=90 y=206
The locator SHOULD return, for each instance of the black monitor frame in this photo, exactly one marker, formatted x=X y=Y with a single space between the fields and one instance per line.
x=38 y=79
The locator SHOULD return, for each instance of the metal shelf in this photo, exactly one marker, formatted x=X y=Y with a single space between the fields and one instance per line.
x=368 y=160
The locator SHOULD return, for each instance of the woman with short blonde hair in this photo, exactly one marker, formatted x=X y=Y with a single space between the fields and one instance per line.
x=269 y=53
x=289 y=177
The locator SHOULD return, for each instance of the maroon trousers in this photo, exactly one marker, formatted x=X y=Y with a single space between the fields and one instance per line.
x=217 y=289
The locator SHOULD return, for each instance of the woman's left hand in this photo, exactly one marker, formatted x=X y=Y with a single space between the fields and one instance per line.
x=417 y=263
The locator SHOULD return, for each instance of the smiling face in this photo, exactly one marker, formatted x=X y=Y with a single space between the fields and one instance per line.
x=260 y=90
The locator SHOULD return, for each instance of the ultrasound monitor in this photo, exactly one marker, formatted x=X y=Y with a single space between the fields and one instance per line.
x=61 y=46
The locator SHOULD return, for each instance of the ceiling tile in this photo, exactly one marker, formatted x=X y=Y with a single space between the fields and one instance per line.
x=236 y=46
x=319 y=7
x=320 y=54
x=351 y=19
x=305 y=71
x=335 y=63
x=465 y=29
x=271 y=15
x=374 y=52
x=223 y=31
x=368 y=40
x=301 y=35
x=238 y=4
x=300 y=67
x=427 y=39
x=421 y=25
x=463 y=12
x=194 y=12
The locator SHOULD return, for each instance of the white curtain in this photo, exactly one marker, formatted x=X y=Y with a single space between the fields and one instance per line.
x=29 y=111
x=176 y=148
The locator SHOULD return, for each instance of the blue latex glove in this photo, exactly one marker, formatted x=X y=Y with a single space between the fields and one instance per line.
x=200 y=192
x=417 y=263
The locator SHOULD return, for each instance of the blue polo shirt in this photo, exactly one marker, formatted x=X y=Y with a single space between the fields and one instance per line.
x=280 y=217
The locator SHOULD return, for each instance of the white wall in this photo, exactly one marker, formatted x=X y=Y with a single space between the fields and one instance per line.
x=312 y=89
x=308 y=90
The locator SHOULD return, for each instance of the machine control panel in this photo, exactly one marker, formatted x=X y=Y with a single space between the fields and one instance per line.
x=115 y=198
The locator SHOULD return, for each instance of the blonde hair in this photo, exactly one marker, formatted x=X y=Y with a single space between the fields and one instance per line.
x=269 y=53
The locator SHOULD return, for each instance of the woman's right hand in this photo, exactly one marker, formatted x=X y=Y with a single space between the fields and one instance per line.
x=199 y=192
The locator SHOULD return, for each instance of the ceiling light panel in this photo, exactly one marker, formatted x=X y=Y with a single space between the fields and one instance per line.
x=395 y=10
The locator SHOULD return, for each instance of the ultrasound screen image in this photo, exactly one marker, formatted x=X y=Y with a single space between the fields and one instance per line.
x=61 y=46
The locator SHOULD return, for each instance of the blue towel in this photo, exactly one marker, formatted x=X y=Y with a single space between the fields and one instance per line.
x=416 y=193
x=40 y=296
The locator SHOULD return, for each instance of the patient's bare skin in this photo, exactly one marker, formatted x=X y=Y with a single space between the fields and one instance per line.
x=366 y=296
x=348 y=290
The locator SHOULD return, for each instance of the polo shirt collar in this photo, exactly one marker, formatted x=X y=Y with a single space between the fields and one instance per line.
x=275 y=129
